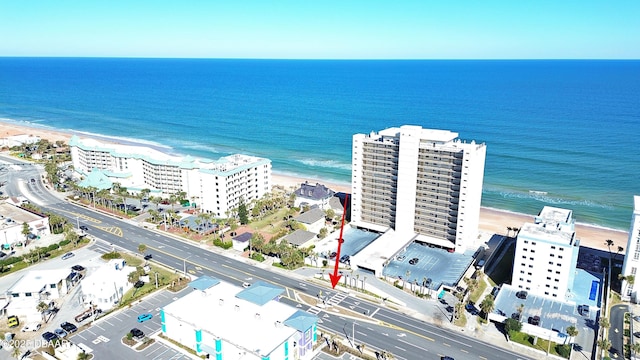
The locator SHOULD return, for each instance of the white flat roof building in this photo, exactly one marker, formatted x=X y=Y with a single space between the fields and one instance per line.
x=418 y=181
x=34 y=287
x=632 y=256
x=546 y=255
x=215 y=185
x=230 y=322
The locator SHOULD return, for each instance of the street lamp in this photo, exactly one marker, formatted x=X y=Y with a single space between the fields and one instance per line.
x=156 y=279
x=78 y=222
x=184 y=269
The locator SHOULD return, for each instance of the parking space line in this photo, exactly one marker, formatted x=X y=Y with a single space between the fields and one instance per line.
x=110 y=324
x=98 y=326
x=159 y=347
x=161 y=354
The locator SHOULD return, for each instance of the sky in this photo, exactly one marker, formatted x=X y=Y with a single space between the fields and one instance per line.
x=330 y=29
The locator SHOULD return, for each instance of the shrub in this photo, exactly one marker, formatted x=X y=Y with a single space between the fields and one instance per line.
x=53 y=247
x=11 y=260
x=325 y=262
x=563 y=350
x=111 y=255
x=64 y=242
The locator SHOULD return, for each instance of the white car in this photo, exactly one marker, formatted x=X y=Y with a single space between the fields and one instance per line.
x=34 y=326
x=245 y=285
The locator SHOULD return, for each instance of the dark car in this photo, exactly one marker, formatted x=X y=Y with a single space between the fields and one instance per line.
x=447 y=358
x=84 y=228
x=68 y=327
x=137 y=333
x=522 y=295
x=49 y=336
x=471 y=309
x=77 y=268
x=148 y=257
x=414 y=261
x=534 y=320
x=138 y=284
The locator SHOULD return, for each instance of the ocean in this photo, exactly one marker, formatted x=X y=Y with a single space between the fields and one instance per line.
x=563 y=133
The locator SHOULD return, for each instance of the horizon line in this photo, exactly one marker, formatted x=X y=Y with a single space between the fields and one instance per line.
x=316 y=59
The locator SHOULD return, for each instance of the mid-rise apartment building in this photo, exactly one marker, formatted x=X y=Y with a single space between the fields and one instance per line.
x=632 y=256
x=546 y=254
x=418 y=181
x=215 y=185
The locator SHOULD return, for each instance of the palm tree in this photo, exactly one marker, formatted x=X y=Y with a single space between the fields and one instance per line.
x=572 y=332
x=42 y=307
x=16 y=352
x=635 y=347
x=509 y=228
x=84 y=356
x=604 y=344
x=487 y=305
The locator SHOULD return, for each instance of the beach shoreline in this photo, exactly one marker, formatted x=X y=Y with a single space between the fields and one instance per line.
x=493 y=221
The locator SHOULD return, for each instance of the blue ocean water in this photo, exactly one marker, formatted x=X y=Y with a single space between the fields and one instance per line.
x=561 y=133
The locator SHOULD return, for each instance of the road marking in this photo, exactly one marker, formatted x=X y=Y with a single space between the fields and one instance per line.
x=464 y=351
x=445 y=344
x=410 y=344
x=103 y=339
x=373 y=313
x=161 y=354
x=399 y=348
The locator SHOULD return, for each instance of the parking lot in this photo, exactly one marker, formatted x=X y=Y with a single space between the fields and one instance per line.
x=103 y=337
x=436 y=264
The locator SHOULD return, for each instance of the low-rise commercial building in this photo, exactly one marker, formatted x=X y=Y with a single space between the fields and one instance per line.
x=105 y=286
x=263 y=328
x=34 y=287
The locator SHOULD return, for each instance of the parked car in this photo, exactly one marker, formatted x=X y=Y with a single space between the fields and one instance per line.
x=49 y=336
x=138 y=284
x=68 y=255
x=148 y=257
x=144 y=317
x=400 y=257
x=13 y=321
x=84 y=315
x=69 y=327
x=60 y=333
x=583 y=310
x=522 y=295
x=534 y=320
x=137 y=333
x=34 y=326
x=447 y=358
x=414 y=261
x=77 y=268
x=471 y=309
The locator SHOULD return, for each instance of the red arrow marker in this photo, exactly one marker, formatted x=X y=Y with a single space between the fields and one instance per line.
x=335 y=277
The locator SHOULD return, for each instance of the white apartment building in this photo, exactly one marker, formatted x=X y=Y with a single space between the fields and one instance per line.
x=216 y=186
x=228 y=322
x=546 y=255
x=632 y=256
x=418 y=181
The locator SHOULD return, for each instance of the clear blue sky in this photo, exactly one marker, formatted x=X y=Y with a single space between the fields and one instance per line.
x=342 y=29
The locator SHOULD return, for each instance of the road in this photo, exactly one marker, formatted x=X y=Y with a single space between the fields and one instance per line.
x=404 y=336
x=616 y=330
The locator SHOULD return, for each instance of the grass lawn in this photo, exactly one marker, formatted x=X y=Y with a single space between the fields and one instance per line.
x=8 y=269
x=165 y=277
x=477 y=293
x=541 y=344
x=273 y=219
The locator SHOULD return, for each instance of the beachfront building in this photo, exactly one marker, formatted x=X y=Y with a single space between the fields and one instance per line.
x=216 y=186
x=546 y=255
x=424 y=185
x=18 y=140
x=12 y=218
x=632 y=256
x=263 y=328
x=309 y=194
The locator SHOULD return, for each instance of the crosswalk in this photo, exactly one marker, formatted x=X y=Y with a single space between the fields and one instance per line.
x=336 y=299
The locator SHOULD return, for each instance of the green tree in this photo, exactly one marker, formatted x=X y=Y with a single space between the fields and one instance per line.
x=42 y=307
x=26 y=230
x=84 y=356
x=16 y=352
x=572 y=332
x=323 y=233
x=487 y=305
x=142 y=248
x=512 y=325
x=243 y=214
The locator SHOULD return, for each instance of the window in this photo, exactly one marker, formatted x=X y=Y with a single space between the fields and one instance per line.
x=533 y=243
x=531 y=258
x=552 y=255
x=553 y=247
x=559 y=256
x=27 y=294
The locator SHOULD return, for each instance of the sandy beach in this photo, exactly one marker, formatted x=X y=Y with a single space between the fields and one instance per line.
x=491 y=220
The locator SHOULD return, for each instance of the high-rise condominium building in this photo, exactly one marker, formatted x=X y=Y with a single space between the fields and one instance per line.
x=632 y=257
x=418 y=181
x=546 y=255
x=217 y=186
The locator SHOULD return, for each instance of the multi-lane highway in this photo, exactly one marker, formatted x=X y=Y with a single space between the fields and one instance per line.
x=379 y=327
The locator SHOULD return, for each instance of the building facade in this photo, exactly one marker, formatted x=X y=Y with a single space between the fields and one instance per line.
x=215 y=186
x=12 y=219
x=421 y=181
x=264 y=329
x=632 y=256
x=546 y=255
x=105 y=287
